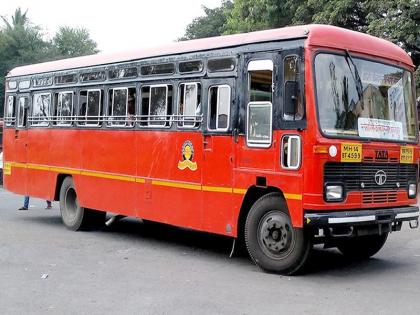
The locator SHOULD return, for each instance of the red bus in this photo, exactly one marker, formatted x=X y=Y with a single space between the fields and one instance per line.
x=283 y=138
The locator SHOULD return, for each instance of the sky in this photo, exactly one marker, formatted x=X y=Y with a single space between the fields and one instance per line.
x=115 y=25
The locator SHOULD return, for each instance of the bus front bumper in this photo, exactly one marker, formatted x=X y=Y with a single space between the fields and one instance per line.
x=363 y=217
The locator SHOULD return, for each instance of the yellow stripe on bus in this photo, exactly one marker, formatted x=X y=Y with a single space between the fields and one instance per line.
x=128 y=178
x=176 y=184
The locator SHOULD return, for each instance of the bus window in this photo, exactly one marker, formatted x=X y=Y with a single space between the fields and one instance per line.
x=219 y=108
x=122 y=106
x=291 y=87
x=10 y=111
x=189 y=107
x=90 y=103
x=164 y=68
x=190 y=66
x=156 y=105
x=64 y=108
x=221 y=64
x=259 y=109
x=123 y=73
x=41 y=105
x=22 y=111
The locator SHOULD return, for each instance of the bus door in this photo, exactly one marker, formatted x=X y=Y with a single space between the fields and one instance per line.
x=20 y=145
x=217 y=164
x=257 y=151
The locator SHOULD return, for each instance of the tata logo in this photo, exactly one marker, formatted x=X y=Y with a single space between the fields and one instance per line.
x=381 y=154
x=380 y=177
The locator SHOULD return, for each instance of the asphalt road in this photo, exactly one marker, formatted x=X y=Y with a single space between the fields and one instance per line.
x=134 y=268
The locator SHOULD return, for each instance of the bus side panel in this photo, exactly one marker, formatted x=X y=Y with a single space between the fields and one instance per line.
x=172 y=191
x=39 y=149
x=16 y=181
x=107 y=181
x=266 y=163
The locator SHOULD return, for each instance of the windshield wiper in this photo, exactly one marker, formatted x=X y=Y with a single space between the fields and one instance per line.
x=356 y=78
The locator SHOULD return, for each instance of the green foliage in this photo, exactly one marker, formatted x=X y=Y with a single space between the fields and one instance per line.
x=212 y=24
x=23 y=43
x=73 y=42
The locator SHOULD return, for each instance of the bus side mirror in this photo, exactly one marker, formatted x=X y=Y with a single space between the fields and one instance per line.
x=290 y=98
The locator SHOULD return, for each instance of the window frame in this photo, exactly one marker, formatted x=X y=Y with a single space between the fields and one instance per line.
x=25 y=120
x=180 y=117
x=118 y=123
x=98 y=121
x=259 y=143
x=48 y=118
x=149 y=121
x=71 y=117
x=10 y=120
x=217 y=107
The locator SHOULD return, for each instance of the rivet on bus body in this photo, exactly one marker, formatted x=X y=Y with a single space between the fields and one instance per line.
x=333 y=151
x=228 y=228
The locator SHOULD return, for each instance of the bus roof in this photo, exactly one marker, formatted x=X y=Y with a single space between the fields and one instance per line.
x=317 y=35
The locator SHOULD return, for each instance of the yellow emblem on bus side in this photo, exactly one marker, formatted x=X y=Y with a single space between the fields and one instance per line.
x=187 y=155
x=351 y=152
x=406 y=155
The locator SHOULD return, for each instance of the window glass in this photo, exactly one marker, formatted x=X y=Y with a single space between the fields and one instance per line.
x=41 y=106
x=12 y=85
x=22 y=111
x=224 y=64
x=44 y=81
x=191 y=66
x=156 y=105
x=219 y=107
x=66 y=79
x=90 y=103
x=260 y=86
x=23 y=85
x=92 y=76
x=64 y=110
x=189 y=107
x=10 y=110
x=165 y=68
x=122 y=106
x=259 y=124
x=291 y=74
x=123 y=73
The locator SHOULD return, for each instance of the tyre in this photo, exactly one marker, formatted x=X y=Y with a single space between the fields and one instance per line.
x=272 y=242
x=73 y=215
x=362 y=247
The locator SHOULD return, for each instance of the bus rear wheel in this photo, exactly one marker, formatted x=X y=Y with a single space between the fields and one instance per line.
x=73 y=215
x=272 y=242
x=362 y=247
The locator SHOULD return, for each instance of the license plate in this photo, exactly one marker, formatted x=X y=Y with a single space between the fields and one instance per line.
x=351 y=152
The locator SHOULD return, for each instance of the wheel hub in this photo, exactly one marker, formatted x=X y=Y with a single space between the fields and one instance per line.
x=275 y=233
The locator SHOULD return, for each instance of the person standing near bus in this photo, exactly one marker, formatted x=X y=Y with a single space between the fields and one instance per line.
x=26 y=204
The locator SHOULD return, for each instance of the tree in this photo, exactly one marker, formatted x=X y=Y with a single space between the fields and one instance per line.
x=22 y=43
x=253 y=15
x=73 y=42
x=212 y=24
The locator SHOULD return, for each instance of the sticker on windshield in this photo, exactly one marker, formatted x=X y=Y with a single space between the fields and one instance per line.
x=396 y=103
x=380 y=129
x=406 y=155
x=351 y=152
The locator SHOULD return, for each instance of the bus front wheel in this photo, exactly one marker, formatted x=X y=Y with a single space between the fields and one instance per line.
x=272 y=242
x=73 y=215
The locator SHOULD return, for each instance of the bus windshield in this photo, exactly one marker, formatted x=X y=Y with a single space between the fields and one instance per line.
x=365 y=99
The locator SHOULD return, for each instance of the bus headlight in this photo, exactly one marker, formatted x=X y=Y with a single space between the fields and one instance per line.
x=412 y=190
x=334 y=192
